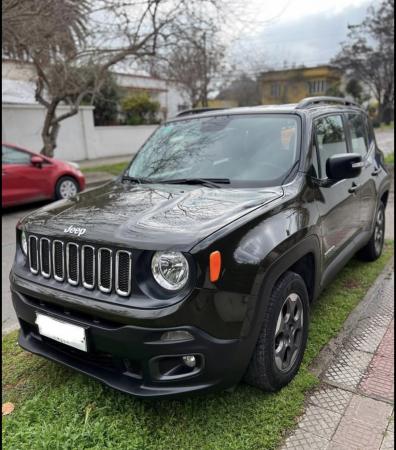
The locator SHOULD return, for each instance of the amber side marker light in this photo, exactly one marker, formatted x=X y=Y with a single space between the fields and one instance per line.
x=215 y=266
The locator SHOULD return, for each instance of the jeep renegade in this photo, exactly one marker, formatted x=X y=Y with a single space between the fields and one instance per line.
x=197 y=266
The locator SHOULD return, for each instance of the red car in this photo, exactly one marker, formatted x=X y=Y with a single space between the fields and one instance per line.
x=29 y=177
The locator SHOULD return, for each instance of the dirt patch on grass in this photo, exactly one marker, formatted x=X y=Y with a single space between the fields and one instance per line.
x=351 y=283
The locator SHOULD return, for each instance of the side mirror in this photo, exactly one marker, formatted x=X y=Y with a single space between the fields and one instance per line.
x=345 y=165
x=37 y=161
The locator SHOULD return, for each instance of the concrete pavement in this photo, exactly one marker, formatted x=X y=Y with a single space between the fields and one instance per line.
x=352 y=409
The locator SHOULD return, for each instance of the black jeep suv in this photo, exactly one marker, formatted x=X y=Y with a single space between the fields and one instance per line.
x=197 y=266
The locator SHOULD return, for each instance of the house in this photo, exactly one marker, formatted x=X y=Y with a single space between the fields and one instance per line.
x=18 y=85
x=291 y=85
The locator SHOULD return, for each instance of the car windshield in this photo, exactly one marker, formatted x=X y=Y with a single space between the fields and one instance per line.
x=247 y=150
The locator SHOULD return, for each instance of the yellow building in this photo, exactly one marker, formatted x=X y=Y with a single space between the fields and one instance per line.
x=217 y=103
x=292 y=85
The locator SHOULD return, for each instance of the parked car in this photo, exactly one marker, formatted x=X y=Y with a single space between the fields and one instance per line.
x=29 y=177
x=197 y=266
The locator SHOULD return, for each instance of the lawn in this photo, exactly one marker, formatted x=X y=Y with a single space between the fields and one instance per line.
x=114 y=169
x=56 y=408
x=390 y=158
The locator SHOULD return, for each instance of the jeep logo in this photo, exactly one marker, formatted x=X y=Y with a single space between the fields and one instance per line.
x=75 y=230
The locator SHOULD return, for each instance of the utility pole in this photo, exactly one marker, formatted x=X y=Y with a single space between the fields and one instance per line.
x=205 y=74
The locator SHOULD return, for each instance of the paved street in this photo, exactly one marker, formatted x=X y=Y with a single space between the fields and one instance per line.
x=386 y=140
x=9 y=220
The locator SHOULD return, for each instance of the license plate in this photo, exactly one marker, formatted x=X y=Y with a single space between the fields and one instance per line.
x=63 y=332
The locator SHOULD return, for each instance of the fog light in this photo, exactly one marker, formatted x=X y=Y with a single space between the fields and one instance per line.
x=177 y=335
x=189 y=360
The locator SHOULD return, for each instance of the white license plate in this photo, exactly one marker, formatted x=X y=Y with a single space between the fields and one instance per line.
x=63 y=332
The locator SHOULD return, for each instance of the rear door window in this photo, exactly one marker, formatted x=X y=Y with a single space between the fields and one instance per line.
x=12 y=156
x=330 y=139
x=358 y=131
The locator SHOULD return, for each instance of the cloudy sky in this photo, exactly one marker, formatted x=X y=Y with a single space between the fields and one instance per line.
x=266 y=33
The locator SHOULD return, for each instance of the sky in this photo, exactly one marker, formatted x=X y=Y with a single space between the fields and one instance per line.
x=264 y=34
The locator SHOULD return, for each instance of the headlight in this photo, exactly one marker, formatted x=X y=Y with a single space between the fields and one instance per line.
x=24 y=244
x=170 y=270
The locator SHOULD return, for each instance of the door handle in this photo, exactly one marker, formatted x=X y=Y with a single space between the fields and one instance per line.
x=353 y=188
x=375 y=172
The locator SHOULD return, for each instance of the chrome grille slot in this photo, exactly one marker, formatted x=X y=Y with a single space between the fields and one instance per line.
x=58 y=262
x=45 y=257
x=72 y=263
x=88 y=266
x=33 y=254
x=123 y=272
x=105 y=269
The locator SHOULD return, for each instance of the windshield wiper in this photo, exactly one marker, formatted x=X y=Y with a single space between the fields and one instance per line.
x=135 y=179
x=211 y=182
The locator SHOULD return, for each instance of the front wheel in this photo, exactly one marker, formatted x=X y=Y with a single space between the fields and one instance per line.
x=283 y=337
x=373 y=249
x=66 y=187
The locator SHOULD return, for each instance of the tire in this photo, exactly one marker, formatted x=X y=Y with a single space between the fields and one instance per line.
x=267 y=369
x=66 y=187
x=373 y=249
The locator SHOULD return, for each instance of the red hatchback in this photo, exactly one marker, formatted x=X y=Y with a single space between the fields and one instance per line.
x=29 y=177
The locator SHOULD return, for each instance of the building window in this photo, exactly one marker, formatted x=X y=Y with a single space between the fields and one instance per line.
x=275 y=90
x=317 y=86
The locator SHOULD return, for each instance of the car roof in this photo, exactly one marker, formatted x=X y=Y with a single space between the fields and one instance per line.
x=313 y=106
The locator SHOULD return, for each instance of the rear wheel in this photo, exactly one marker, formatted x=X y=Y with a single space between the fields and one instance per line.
x=282 y=340
x=373 y=248
x=66 y=187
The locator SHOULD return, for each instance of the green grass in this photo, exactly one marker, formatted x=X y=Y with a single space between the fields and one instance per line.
x=56 y=408
x=384 y=127
x=390 y=158
x=113 y=169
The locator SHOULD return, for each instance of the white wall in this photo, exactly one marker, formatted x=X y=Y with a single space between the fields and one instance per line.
x=78 y=138
x=121 y=140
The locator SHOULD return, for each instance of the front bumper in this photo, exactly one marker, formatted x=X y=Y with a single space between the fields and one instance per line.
x=130 y=358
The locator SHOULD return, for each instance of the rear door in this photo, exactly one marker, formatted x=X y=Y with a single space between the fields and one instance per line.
x=339 y=204
x=359 y=143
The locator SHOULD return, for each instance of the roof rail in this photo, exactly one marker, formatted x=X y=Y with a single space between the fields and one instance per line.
x=310 y=101
x=188 y=112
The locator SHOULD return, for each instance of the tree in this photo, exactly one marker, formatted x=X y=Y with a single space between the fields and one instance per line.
x=244 y=90
x=106 y=102
x=194 y=61
x=140 y=109
x=73 y=43
x=368 y=56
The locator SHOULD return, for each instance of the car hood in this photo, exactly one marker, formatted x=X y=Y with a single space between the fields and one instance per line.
x=148 y=216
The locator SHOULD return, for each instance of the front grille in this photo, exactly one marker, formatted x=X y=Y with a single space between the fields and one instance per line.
x=33 y=254
x=72 y=263
x=123 y=272
x=105 y=261
x=58 y=260
x=45 y=257
x=84 y=265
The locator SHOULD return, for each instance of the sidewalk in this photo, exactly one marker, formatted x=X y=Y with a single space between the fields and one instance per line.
x=353 y=407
